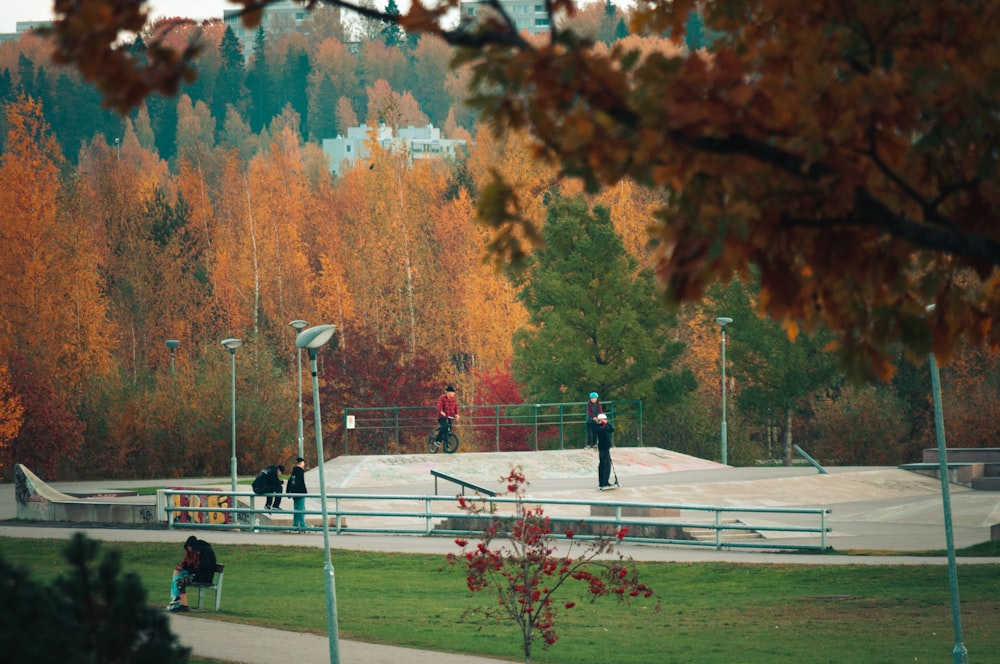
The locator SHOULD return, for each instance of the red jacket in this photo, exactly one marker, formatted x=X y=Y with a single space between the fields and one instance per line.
x=447 y=405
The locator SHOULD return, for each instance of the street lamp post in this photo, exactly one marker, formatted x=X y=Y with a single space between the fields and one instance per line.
x=299 y=325
x=959 y=653
x=232 y=345
x=312 y=340
x=172 y=344
x=723 y=322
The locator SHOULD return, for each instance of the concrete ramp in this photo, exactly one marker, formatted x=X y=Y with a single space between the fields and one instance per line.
x=37 y=501
x=486 y=468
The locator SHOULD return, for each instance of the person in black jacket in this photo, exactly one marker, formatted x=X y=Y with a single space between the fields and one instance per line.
x=269 y=481
x=593 y=410
x=604 y=430
x=198 y=566
x=297 y=485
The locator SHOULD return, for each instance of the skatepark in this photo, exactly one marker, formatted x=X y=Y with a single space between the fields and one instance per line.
x=874 y=511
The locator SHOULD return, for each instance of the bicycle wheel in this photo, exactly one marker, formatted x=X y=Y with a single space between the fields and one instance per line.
x=451 y=443
x=432 y=444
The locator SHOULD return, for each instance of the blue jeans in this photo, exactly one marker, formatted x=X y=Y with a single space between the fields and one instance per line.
x=299 y=520
x=174 y=591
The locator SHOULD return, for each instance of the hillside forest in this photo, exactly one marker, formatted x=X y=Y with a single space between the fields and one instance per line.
x=214 y=215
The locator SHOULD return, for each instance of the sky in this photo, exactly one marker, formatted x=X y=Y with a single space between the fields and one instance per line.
x=12 y=11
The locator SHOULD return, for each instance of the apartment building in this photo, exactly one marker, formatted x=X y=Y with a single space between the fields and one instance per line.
x=419 y=142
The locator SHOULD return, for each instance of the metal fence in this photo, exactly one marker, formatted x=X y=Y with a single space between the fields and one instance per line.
x=486 y=428
x=440 y=515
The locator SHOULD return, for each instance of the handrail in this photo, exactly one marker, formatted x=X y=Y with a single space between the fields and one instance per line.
x=245 y=518
x=463 y=483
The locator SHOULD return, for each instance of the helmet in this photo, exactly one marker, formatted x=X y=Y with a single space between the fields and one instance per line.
x=602 y=417
x=593 y=395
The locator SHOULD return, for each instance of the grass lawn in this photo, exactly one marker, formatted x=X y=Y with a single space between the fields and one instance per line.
x=708 y=612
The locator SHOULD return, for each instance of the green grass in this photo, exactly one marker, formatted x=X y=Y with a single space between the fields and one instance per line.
x=709 y=612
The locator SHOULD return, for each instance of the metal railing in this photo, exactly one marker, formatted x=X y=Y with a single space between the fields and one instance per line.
x=419 y=515
x=484 y=428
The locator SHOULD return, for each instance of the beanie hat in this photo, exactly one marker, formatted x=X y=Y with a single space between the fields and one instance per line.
x=449 y=389
x=593 y=395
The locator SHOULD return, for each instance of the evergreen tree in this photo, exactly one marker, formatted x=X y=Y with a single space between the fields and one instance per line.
x=391 y=33
x=26 y=74
x=606 y=31
x=260 y=84
x=324 y=115
x=93 y=613
x=621 y=30
x=293 y=90
x=230 y=86
x=776 y=376
x=595 y=323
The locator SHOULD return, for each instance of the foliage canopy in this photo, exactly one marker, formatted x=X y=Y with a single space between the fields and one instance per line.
x=847 y=149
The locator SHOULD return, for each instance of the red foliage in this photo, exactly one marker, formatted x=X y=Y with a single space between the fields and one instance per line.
x=526 y=572
x=497 y=388
x=50 y=435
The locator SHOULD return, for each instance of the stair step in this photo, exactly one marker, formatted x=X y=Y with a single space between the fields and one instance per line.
x=986 y=484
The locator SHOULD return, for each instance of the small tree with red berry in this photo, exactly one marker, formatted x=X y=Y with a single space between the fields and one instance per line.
x=526 y=572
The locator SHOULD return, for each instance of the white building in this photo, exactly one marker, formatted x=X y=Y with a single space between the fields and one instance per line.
x=279 y=18
x=528 y=15
x=419 y=142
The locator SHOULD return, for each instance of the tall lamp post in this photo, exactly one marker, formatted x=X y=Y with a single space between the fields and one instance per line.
x=299 y=325
x=723 y=322
x=959 y=653
x=172 y=344
x=232 y=345
x=312 y=340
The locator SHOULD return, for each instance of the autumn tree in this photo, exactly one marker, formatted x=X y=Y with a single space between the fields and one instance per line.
x=48 y=261
x=594 y=322
x=848 y=151
x=526 y=573
x=11 y=414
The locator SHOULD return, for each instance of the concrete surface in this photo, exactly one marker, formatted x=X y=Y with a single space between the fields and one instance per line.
x=873 y=510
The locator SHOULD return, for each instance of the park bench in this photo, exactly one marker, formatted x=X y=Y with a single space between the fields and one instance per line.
x=215 y=584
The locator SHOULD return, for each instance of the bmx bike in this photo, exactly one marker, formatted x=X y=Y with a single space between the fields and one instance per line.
x=449 y=441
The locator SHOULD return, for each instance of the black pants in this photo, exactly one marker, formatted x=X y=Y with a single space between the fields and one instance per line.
x=604 y=465
x=443 y=429
x=272 y=501
x=591 y=434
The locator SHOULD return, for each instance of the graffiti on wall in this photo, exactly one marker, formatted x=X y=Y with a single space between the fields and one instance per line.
x=197 y=501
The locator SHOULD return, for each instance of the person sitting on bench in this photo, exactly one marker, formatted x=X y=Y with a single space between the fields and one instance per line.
x=198 y=566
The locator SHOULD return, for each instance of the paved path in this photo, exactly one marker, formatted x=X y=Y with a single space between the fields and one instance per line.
x=874 y=510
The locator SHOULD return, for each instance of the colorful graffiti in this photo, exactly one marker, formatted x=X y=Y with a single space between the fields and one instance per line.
x=197 y=501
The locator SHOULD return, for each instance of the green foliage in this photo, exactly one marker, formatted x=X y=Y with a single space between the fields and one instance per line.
x=594 y=320
x=776 y=376
x=91 y=614
x=392 y=34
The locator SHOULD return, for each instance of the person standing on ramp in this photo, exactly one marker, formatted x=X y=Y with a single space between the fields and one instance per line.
x=604 y=431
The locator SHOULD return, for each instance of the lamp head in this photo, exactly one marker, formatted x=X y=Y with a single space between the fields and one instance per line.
x=173 y=343
x=298 y=325
x=232 y=344
x=723 y=321
x=315 y=337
